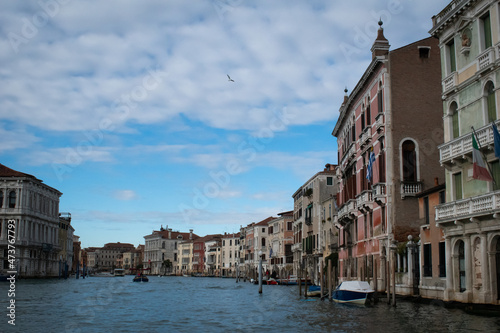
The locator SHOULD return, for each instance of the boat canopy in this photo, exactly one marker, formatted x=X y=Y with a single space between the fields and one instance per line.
x=362 y=286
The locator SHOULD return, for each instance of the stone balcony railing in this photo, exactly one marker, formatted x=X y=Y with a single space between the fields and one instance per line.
x=468 y=208
x=348 y=210
x=364 y=201
x=350 y=154
x=458 y=148
x=296 y=247
x=486 y=58
x=450 y=82
x=365 y=137
x=379 y=122
x=410 y=189
x=379 y=193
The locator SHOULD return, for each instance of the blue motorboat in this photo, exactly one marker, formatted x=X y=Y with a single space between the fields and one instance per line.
x=353 y=292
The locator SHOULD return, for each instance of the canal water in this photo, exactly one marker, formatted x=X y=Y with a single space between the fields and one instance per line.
x=192 y=304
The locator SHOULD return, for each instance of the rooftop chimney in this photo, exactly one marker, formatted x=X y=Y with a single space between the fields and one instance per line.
x=170 y=233
x=381 y=45
x=190 y=233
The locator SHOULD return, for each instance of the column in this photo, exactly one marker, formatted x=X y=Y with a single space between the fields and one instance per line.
x=449 y=269
x=485 y=265
x=468 y=267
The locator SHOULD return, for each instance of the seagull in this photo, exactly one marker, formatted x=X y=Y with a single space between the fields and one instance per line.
x=229 y=78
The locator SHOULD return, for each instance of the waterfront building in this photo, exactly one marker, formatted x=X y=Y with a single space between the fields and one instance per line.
x=108 y=257
x=186 y=257
x=469 y=39
x=230 y=254
x=77 y=255
x=34 y=206
x=280 y=241
x=428 y=273
x=132 y=260
x=308 y=216
x=261 y=246
x=66 y=231
x=387 y=133
x=330 y=229
x=162 y=245
x=248 y=250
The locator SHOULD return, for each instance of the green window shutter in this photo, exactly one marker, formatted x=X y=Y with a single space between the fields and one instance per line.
x=456 y=131
x=492 y=110
x=453 y=64
x=495 y=170
x=457 y=180
x=487 y=31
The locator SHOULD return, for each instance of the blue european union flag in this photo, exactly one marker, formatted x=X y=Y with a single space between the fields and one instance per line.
x=496 y=140
x=369 y=172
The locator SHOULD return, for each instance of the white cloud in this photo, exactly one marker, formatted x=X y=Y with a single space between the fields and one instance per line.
x=125 y=195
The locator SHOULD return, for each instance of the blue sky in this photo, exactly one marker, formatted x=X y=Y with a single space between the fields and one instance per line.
x=125 y=106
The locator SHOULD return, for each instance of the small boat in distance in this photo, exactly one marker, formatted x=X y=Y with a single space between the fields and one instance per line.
x=352 y=292
x=119 y=272
x=140 y=278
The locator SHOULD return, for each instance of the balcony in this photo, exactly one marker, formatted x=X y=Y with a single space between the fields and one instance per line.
x=365 y=137
x=297 y=247
x=379 y=122
x=410 y=189
x=347 y=211
x=468 y=208
x=348 y=156
x=456 y=151
x=450 y=82
x=364 y=201
x=379 y=193
x=485 y=59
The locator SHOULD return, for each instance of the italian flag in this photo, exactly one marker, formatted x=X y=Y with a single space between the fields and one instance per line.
x=479 y=171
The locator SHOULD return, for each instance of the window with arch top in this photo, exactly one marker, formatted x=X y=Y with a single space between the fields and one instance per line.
x=489 y=92
x=409 y=160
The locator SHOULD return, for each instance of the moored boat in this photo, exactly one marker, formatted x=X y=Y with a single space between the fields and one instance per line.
x=352 y=292
x=271 y=281
x=314 y=291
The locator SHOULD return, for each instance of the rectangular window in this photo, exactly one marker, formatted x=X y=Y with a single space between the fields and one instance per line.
x=457 y=182
x=486 y=20
x=442 y=260
x=426 y=210
x=427 y=260
x=329 y=180
x=289 y=226
x=451 y=56
x=380 y=101
x=495 y=170
x=442 y=197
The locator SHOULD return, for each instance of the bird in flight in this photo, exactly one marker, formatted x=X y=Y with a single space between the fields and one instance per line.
x=229 y=78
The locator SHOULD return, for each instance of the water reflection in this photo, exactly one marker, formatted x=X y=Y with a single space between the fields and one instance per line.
x=185 y=304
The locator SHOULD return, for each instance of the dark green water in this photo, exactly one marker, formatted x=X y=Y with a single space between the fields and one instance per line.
x=187 y=304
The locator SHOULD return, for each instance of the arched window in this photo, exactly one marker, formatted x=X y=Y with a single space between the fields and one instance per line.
x=490 y=101
x=1 y=199
x=409 y=160
x=454 y=120
x=12 y=199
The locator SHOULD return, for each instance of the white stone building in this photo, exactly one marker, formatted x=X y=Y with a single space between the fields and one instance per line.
x=33 y=208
